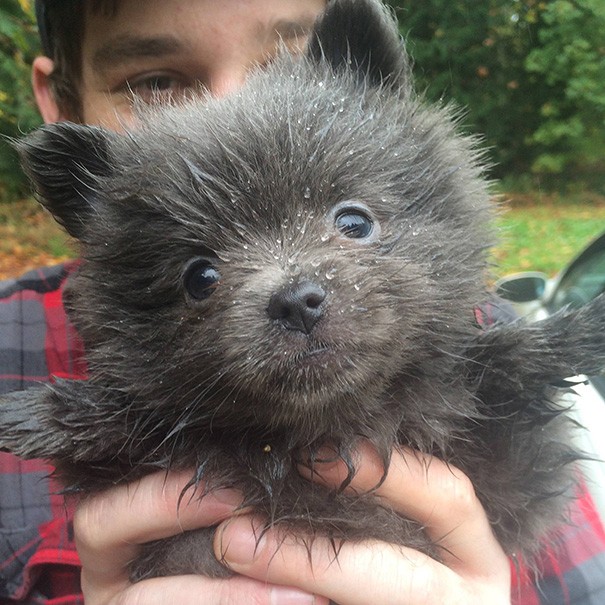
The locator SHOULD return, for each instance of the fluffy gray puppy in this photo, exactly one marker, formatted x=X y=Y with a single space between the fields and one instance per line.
x=292 y=266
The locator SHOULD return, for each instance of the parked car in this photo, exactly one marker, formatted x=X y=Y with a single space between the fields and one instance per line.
x=535 y=296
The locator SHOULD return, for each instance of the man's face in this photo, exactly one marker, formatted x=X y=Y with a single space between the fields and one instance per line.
x=168 y=47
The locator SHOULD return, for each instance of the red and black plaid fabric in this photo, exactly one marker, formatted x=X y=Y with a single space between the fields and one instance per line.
x=38 y=559
x=572 y=566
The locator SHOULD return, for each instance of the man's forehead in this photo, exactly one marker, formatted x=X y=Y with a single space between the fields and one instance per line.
x=285 y=15
x=285 y=27
x=149 y=37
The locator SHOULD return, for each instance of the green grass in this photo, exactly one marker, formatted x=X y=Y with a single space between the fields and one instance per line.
x=546 y=235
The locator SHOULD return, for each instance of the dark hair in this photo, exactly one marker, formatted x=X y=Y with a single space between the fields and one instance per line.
x=61 y=27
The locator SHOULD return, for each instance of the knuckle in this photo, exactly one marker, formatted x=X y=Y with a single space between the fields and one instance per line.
x=89 y=525
x=458 y=496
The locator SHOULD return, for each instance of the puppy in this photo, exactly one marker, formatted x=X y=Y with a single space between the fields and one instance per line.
x=293 y=266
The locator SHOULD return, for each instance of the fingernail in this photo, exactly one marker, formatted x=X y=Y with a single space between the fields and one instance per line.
x=240 y=541
x=321 y=455
x=221 y=502
x=290 y=596
x=324 y=458
x=231 y=497
x=326 y=466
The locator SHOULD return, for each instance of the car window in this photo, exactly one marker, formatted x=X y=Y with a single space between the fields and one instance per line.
x=583 y=281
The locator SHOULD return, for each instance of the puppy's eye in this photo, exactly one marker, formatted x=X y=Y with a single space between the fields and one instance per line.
x=201 y=279
x=354 y=224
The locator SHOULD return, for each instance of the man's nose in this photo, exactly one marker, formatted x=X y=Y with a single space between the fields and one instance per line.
x=226 y=82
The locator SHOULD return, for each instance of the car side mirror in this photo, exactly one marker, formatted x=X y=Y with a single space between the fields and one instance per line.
x=522 y=287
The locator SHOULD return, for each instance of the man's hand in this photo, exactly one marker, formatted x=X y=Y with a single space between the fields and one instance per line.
x=110 y=528
x=474 y=571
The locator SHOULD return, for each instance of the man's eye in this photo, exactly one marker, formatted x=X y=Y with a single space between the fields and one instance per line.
x=157 y=88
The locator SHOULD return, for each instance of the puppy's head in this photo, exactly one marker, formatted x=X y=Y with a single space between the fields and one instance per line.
x=278 y=257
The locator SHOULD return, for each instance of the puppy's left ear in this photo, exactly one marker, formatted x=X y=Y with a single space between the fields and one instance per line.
x=64 y=161
x=361 y=36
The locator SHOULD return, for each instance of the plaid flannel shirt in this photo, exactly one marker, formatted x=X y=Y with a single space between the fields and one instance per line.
x=38 y=559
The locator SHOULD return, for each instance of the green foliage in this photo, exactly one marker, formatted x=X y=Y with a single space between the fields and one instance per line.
x=570 y=60
x=18 y=46
x=530 y=72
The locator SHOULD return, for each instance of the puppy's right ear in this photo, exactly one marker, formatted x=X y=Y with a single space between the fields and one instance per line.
x=64 y=162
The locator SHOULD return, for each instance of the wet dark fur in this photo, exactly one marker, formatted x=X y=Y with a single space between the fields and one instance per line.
x=251 y=183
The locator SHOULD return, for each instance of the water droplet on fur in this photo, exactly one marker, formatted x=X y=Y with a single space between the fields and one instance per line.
x=245 y=246
x=325 y=237
x=307 y=193
x=331 y=273
x=315 y=263
x=357 y=287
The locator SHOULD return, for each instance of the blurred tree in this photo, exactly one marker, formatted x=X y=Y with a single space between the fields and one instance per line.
x=569 y=60
x=530 y=72
x=18 y=46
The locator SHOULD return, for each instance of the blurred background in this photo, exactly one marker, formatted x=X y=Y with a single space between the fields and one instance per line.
x=530 y=75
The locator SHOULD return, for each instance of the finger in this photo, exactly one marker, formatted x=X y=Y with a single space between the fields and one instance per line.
x=110 y=527
x=437 y=495
x=363 y=572
x=194 y=590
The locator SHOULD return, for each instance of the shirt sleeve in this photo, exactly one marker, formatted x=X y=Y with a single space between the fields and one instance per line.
x=38 y=559
x=571 y=569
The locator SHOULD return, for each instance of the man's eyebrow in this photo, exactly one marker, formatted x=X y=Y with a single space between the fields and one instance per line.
x=124 y=48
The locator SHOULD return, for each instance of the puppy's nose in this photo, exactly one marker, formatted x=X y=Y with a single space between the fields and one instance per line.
x=297 y=307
